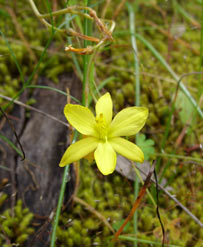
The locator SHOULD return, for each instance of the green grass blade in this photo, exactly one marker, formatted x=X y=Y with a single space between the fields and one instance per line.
x=86 y=59
x=201 y=56
x=183 y=12
x=60 y=200
x=26 y=83
x=13 y=56
x=4 y=138
x=137 y=100
x=99 y=87
x=182 y=157
x=68 y=18
x=54 y=89
x=144 y=241
x=173 y=74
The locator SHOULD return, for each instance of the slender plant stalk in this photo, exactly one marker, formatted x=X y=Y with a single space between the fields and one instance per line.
x=59 y=205
x=144 y=241
x=185 y=14
x=85 y=63
x=142 y=181
x=100 y=86
x=173 y=74
x=75 y=60
x=13 y=57
x=180 y=157
x=4 y=138
x=60 y=200
x=84 y=102
x=137 y=101
x=54 y=89
x=168 y=124
x=26 y=83
x=86 y=59
x=201 y=56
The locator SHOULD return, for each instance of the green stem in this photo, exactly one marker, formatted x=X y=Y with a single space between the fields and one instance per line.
x=137 y=101
x=54 y=89
x=99 y=87
x=166 y=133
x=183 y=12
x=173 y=74
x=4 y=138
x=84 y=102
x=85 y=62
x=201 y=56
x=60 y=200
x=176 y=156
x=144 y=241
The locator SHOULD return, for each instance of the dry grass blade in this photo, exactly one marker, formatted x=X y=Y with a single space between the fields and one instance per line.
x=118 y=9
x=13 y=130
x=33 y=109
x=105 y=32
x=136 y=203
x=157 y=209
x=21 y=35
x=180 y=41
x=95 y=212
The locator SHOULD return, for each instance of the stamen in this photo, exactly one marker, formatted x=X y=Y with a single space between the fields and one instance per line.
x=101 y=126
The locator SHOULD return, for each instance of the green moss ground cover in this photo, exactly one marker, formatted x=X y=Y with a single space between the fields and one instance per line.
x=113 y=196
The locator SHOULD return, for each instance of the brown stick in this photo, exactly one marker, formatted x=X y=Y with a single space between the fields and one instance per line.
x=136 y=203
x=118 y=9
x=94 y=211
x=182 y=42
x=21 y=35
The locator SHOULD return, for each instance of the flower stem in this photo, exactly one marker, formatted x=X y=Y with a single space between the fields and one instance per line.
x=60 y=200
x=201 y=55
x=176 y=156
x=86 y=59
x=137 y=100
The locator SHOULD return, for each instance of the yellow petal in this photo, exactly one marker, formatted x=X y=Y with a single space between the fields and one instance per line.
x=105 y=158
x=78 y=150
x=81 y=118
x=127 y=149
x=104 y=106
x=128 y=121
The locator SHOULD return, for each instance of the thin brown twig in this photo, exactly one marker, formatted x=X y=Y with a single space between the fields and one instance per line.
x=21 y=35
x=94 y=211
x=174 y=199
x=105 y=8
x=136 y=203
x=54 y=8
x=163 y=13
x=106 y=33
x=36 y=186
x=182 y=133
x=3 y=121
x=34 y=109
x=14 y=132
x=37 y=48
x=182 y=42
x=118 y=9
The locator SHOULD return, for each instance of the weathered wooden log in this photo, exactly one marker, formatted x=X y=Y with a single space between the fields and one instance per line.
x=37 y=179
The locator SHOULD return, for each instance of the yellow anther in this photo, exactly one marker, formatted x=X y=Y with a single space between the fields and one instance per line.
x=101 y=126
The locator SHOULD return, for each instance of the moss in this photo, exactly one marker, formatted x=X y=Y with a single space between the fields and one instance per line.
x=113 y=196
x=3 y=198
x=16 y=227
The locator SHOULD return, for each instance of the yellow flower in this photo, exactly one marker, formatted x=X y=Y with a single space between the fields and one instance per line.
x=103 y=133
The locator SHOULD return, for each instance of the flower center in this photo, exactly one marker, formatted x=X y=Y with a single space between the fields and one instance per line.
x=101 y=126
